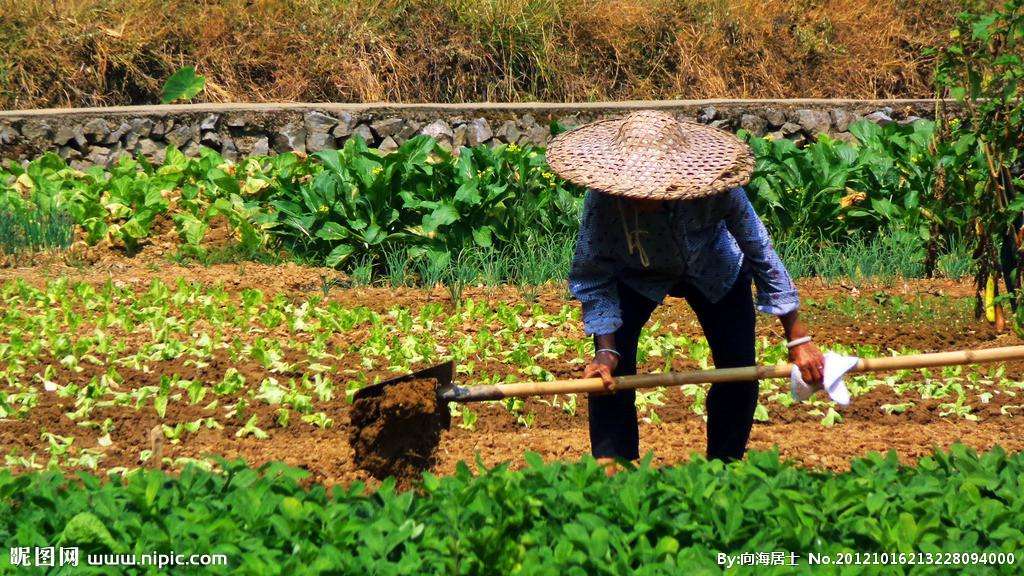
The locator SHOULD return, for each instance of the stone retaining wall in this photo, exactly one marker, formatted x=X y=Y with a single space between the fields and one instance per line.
x=94 y=136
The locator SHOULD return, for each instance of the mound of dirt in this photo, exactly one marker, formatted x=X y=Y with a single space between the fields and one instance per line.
x=396 y=433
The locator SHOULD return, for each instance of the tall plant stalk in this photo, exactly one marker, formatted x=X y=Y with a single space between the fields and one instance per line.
x=982 y=67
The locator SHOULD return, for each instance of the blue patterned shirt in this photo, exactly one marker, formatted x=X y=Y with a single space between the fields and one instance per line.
x=703 y=242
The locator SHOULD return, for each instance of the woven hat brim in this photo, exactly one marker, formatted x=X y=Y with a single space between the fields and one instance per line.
x=711 y=161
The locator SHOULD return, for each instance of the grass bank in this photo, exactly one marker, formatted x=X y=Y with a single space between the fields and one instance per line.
x=57 y=53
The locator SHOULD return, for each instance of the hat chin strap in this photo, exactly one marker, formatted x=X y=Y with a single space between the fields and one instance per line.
x=633 y=236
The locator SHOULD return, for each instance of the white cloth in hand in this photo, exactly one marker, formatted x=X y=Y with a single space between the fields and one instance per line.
x=836 y=365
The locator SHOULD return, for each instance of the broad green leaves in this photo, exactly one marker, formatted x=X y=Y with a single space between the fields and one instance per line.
x=358 y=206
x=120 y=205
x=182 y=85
x=339 y=254
x=546 y=519
x=422 y=208
x=88 y=532
x=830 y=189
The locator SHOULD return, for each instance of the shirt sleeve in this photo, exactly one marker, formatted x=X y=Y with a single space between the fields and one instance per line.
x=776 y=293
x=592 y=276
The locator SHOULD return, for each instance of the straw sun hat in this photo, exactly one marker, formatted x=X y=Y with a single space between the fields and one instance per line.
x=649 y=154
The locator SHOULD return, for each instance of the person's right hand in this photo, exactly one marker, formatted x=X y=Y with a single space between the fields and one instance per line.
x=602 y=366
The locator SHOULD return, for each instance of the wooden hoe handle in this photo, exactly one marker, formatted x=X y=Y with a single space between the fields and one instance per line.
x=746 y=373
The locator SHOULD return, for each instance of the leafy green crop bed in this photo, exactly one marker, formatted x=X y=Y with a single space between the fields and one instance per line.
x=546 y=519
x=340 y=205
x=422 y=214
x=89 y=370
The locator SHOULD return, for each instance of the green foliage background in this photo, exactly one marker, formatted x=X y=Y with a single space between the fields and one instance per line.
x=424 y=209
x=547 y=519
x=980 y=165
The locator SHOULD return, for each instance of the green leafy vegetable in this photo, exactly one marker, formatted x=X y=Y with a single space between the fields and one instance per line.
x=182 y=85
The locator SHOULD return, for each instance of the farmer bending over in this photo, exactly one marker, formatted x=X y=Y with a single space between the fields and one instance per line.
x=665 y=214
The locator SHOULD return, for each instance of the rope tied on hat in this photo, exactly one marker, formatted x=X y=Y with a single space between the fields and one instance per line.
x=633 y=236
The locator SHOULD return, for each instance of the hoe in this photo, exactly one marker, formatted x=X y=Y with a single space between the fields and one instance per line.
x=447 y=391
x=397 y=424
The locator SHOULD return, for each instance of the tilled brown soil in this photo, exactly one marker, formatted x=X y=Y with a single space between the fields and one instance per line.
x=395 y=430
x=553 y=433
x=944 y=330
x=294 y=280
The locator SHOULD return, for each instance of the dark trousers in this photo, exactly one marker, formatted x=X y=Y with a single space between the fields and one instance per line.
x=729 y=328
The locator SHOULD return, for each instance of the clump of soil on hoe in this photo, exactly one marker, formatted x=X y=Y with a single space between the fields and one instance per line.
x=396 y=432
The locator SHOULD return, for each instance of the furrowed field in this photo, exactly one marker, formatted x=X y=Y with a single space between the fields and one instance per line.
x=167 y=327
x=186 y=344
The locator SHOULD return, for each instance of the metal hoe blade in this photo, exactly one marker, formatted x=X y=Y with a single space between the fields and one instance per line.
x=442 y=373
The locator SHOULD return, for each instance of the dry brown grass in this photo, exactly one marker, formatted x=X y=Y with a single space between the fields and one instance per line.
x=106 y=52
